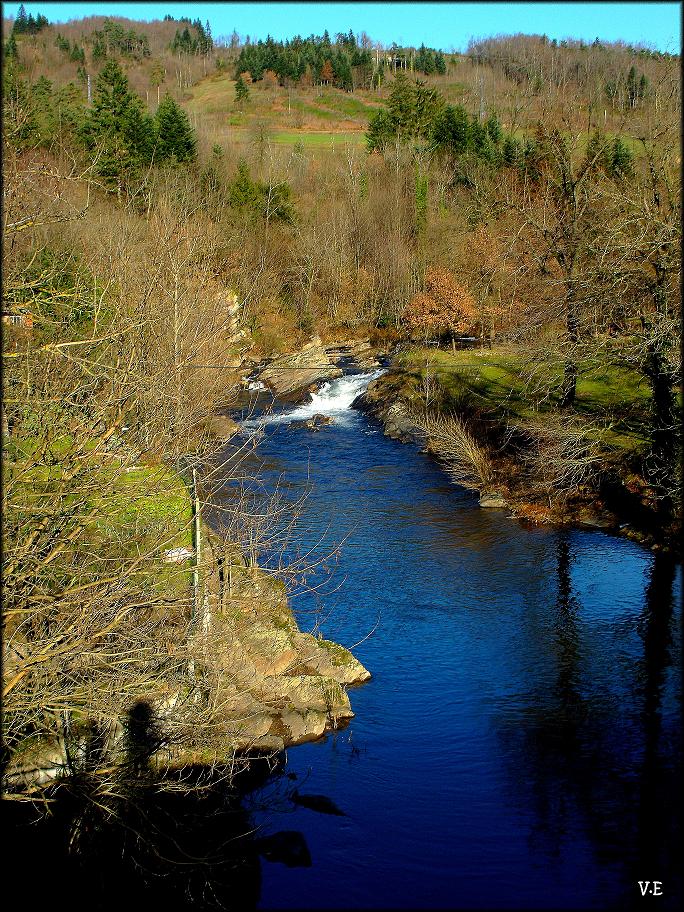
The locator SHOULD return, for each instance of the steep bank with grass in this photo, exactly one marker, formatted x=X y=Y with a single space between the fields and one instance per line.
x=496 y=432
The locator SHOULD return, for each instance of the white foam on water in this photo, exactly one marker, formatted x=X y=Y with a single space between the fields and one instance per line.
x=333 y=399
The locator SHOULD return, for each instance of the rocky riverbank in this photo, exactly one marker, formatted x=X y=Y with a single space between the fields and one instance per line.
x=615 y=500
x=269 y=684
x=276 y=685
x=291 y=377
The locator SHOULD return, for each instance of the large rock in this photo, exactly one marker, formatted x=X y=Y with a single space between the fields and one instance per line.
x=323 y=657
x=292 y=375
x=222 y=426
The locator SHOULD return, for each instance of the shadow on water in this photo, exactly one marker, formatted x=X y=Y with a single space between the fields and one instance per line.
x=594 y=760
x=186 y=843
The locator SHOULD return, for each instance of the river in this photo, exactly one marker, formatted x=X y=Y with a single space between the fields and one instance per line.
x=520 y=742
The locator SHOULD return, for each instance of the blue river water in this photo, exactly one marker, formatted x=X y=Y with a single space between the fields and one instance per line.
x=519 y=744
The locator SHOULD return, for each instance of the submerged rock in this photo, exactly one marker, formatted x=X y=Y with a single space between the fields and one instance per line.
x=492 y=499
x=319 y=803
x=312 y=424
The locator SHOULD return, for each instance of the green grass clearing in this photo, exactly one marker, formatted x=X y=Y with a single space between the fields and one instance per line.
x=611 y=398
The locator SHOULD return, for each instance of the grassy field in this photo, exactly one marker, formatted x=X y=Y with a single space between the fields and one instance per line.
x=318 y=119
x=613 y=399
x=319 y=140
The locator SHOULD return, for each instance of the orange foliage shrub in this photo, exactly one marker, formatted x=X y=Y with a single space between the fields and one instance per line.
x=446 y=306
x=270 y=80
x=327 y=74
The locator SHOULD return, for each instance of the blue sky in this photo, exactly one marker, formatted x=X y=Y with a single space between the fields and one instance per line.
x=441 y=25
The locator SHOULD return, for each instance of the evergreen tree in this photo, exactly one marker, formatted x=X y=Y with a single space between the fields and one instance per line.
x=99 y=50
x=482 y=144
x=612 y=156
x=381 y=131
x=116 y=129
x=20 y=123
x=511 y=151
x=643 y=86
x=241 y=92
x=243 y=192
x=77 y=54
x=440 y=64
x=451 y=131
x=493 y=128
x=269 y=201
x=401 y=106
x=11 y=48
x=21 y=22
x=427 y=103
x=175 y=136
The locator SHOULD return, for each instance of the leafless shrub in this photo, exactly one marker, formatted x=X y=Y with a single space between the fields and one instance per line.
x=449 y=438
x=562 y=456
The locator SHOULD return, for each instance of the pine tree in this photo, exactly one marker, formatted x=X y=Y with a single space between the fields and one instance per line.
x=493 y=128
x=440 y=64
x=381 y=131
x=401 y=106
x=116 y=129
x=620 y=159
x=451 y=131
x=11 y=47
x=511 y=151
x=21 y=22
x=241 y=92
x=175 y=136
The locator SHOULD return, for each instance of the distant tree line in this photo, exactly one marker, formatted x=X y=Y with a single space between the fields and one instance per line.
x=428 y=61
x=28 y=25
x=343 y=62
x=185 y=42
x=113 y=37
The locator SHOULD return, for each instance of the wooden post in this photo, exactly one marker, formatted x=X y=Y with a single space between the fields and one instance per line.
x=198 y=546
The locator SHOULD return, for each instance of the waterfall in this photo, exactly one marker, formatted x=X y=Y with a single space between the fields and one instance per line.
x=334 y=398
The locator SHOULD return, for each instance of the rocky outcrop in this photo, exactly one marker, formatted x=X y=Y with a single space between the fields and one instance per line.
x=264 y=683
x=380 y=400
x=358 y=352
x=291 y=376
x=276 y=686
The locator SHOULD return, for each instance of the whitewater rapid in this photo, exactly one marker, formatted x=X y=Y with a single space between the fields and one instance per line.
x=333 y=399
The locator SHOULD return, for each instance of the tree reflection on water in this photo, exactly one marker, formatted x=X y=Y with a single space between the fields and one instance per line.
x=589 y=758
